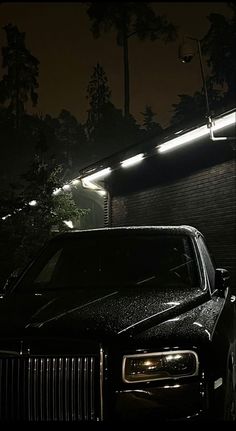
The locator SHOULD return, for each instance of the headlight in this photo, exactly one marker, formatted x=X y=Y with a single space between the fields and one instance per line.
x=158 y=366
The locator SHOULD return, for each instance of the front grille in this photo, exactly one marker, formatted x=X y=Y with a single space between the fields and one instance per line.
x=49 y=388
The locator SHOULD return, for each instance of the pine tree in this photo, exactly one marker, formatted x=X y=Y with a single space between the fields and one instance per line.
x=149 y=122
x=98 y=95
x=219 y=46
x=19 y=85
x=129 y=19
x=72 y=139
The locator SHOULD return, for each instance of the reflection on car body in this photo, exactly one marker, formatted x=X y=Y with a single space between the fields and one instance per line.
x=119 y=324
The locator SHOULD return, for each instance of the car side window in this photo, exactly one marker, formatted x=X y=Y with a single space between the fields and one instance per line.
x=208 y=262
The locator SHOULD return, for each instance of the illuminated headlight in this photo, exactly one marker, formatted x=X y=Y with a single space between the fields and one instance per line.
x=159 y=366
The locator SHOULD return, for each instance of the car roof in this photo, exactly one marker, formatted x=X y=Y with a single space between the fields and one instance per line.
x=119 y=230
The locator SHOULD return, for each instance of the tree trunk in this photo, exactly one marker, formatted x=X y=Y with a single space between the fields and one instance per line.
x=17 y=91
x=126 y=73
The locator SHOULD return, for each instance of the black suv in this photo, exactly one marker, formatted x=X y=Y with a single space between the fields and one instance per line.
x=129 y=323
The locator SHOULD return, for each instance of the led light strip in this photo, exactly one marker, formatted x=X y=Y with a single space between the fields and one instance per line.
x=132 y=160
x=183 y=139
x=103 y=173
x=189 y=137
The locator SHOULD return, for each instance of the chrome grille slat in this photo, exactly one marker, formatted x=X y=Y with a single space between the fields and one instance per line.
x=54 y=376
x=72 y=402
x=92 y=412
x=12 y=389
x=29 y=389
x=41 y=389
x=79 y=388
x=49 y=388
x=18 y=391
x=66 y=389
x=60 y=389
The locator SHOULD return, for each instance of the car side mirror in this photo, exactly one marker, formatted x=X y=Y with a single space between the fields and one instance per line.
x=222 y=280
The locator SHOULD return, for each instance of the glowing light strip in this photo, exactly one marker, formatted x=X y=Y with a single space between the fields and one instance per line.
x=89 y=185
x=75 y=182
x=132 y=160
x=99 y=174
x=218 y=124
x=183 y=139
x=66 y=187
x=225 y=121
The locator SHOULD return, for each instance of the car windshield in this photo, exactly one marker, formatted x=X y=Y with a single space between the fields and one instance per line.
x=112 y=260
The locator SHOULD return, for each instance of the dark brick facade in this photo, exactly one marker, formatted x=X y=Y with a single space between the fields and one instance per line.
x=205 y=198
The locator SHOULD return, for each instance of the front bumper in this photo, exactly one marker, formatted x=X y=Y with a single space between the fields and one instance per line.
x=170 y=402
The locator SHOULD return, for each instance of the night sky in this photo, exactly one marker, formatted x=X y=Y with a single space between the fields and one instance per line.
x=58 y=34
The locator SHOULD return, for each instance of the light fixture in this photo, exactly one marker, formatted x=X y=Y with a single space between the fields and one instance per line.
x=75 y=182
x=69 y=223
x=132 y=160
x=6 y=216
x=99 y=174
x=89 y=185
x=186 y=138
x=33 y=203
x=87 y=182
x=56 y=191
x=102 y=192
x=66 y=187
x=186 y=53
x=226 y=120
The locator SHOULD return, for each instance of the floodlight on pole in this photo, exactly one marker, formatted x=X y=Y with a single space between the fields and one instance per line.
x=186 y=53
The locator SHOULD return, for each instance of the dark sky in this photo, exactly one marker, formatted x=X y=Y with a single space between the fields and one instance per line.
x=58 y=35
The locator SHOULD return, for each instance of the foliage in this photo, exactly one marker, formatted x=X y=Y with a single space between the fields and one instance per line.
x=107 y=130
x=129 y=19
x=192 y=109
x=19 y=84
x=98 y=92
x=71 y=139
x=98 y=95
x=219 y=46
x=149 y=122
x=29 y=227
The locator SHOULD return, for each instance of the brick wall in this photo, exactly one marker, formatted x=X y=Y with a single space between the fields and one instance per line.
x=205 y=199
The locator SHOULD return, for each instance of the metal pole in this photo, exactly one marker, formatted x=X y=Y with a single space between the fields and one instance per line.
x=203 y=77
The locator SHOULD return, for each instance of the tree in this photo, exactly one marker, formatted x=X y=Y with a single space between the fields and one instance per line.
x=219 y=45
x=71 y=139
x=149 y=122
x=30 y=226
x=107 y=130
x=19 y=84
x=192 y=109
x=129 y=19
x=98 y=95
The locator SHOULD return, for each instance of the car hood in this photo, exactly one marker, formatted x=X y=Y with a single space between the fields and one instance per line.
x=95 y=312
